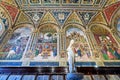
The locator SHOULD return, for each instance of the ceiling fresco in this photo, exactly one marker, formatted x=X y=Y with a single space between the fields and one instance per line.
x=60 y=12
x=110 y=11
x=99 y=18
x=12 y=10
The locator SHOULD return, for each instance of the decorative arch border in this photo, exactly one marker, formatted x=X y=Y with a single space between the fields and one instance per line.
x=56 y=26
x=76 y=25
x=99 y=24
x=24 y=25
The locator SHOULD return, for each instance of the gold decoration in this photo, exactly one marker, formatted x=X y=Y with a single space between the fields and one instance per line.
x=99 y=19
x=23 y=18
x=74 y=18
x=48 y=18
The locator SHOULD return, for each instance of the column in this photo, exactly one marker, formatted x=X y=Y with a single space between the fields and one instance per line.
x=63 y=54
x=87 y=32
x=97 y=55
x=29 y=44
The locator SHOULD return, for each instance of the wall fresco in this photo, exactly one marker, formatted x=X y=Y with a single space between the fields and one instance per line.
x=15 y=47
x=46 y=46
x=81 y=48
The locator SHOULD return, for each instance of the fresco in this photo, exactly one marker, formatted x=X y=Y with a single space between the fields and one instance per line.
x=46 y=46
x=97 y=1
x=70 y=1
x=4 y=24
x=87 y=16
x=51 y=1
x=61 y=16
x=15 y=47
x=108 y=47
x=87 y=2
x=81 y=47
x=118 y=27
x=34 y=1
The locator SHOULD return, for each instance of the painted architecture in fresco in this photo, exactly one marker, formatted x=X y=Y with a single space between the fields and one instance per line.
x=40 y=30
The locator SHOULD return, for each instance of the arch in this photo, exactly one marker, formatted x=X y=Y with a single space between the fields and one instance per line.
x=99 y=24
x=55 y=26
x=24 y=25
x=104 y=41
x=81 y=47
x=75 y=25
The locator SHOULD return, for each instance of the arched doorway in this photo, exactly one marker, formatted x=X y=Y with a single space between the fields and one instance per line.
x=81 y=46
x=105 y=42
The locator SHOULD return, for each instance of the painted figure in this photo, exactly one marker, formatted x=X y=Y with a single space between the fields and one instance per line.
x=71 y=58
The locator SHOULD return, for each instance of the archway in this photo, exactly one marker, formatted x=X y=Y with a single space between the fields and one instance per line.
x=81 y=46
x=105 y=42
x=47 y=44
x=16 y=45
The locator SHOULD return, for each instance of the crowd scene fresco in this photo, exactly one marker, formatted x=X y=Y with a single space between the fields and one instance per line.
x=46 y=45
x=16 y=45
x=108 y=47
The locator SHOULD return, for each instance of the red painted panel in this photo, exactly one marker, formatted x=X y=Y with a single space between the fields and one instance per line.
x=109 y=11
x=13 y=11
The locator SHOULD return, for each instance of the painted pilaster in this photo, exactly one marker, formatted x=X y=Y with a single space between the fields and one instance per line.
x=62 y=55
x=29 y=45
x=97 y=55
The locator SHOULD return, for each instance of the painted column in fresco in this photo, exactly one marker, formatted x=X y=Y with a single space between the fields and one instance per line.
x=87 y=32
x=34 y=42
x=6 y=38
x=29 y=45
x=95 y=49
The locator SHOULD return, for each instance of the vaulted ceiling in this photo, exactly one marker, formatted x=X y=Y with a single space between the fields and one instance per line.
x=60 y=12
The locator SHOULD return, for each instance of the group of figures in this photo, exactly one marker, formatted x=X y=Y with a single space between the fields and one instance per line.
x=16 y=45
x=109 y=49
x=46 y=45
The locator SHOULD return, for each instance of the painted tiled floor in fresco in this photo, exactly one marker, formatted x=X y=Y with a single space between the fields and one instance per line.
x=56 y=77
